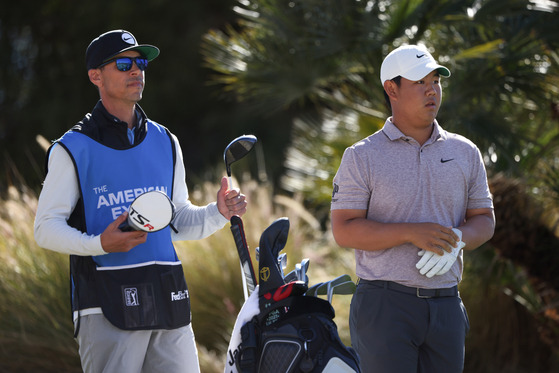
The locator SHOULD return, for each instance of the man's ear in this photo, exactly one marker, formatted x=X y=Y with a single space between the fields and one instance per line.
x=94 y=76
x=390 y=88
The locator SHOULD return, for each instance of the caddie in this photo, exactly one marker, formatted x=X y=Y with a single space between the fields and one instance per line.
x=130 y=302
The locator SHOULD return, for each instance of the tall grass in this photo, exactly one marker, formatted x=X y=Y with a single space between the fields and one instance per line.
x=35 y=327
x=35 y=321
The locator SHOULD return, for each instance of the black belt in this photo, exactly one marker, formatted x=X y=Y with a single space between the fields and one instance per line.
x=418 y=292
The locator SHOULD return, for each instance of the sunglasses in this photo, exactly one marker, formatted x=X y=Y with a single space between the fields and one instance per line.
x=125 y=63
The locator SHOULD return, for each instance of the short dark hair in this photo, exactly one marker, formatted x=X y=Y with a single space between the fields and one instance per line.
x=396 y=80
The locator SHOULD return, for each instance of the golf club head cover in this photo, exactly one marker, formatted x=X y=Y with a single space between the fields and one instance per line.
x=432 y=264
x=272 y=241
x=149 y=212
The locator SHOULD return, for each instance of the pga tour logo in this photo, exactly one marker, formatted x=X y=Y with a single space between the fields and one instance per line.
x=179 y=295
x=131 y=297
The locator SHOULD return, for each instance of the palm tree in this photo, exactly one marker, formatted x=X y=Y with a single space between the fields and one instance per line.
x=324 y=56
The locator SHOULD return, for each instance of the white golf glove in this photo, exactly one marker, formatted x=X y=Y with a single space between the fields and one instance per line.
x=432 y=264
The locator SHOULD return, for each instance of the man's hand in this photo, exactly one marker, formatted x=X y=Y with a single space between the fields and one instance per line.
x=434 y=237
x=434 y=264
x=113 y=240
x=230 y=202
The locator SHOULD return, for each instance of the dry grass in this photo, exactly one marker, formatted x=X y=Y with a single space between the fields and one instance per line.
x=35 y=320
x=35 y=326
x=36 y=331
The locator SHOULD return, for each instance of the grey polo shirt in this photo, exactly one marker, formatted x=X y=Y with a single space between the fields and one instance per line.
x=399 y=181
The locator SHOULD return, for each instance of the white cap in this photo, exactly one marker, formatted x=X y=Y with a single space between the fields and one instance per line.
x=412 y=62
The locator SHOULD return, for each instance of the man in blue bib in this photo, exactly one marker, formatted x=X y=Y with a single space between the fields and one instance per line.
x=129 y=296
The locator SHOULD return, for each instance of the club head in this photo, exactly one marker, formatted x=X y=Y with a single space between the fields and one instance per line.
x=282 y=262
x=343 y=288
x=331 y=284
x=314 y=290
x=298 y=271
x=304 y=269
x=340 y=279
x=237 y=149
x=291 y=276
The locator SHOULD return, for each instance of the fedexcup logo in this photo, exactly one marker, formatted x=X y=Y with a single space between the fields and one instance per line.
x=179 y=295
x=128 y=38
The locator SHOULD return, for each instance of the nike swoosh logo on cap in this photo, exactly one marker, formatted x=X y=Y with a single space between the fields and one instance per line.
x=446 y=160
x=419 y=55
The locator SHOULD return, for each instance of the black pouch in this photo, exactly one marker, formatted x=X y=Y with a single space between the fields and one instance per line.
x=178 y=300
x=148 y=297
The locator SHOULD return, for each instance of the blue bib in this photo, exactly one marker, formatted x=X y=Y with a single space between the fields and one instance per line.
x=110 y=179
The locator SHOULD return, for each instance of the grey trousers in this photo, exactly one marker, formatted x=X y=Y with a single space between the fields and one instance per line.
x=396 y=332
x=105 y=348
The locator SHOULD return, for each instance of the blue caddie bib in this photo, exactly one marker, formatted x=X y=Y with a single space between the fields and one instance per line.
x=143 y=288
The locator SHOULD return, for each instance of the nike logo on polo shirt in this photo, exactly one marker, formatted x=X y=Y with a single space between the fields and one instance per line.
x=446 y=160
x=419 y=55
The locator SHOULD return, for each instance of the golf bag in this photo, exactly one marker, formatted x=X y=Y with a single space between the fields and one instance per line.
x=292 y=332
x=297 y=334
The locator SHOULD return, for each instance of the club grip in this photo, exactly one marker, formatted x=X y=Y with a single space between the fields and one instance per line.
x=238 y=232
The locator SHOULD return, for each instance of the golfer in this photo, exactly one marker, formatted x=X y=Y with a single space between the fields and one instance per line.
x=130 y=302
x=408 y=199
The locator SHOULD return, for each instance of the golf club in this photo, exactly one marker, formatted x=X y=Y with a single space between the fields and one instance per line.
x=282 y=262
x=291 y=276
x=317 y=289
x=340 y=285
x=304 y=269
x=272 y=241
x=299 y=273
x=249 y=277
x=346 y=287
x=236 y=150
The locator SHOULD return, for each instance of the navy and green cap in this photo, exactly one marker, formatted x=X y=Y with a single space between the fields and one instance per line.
x=111 y=43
